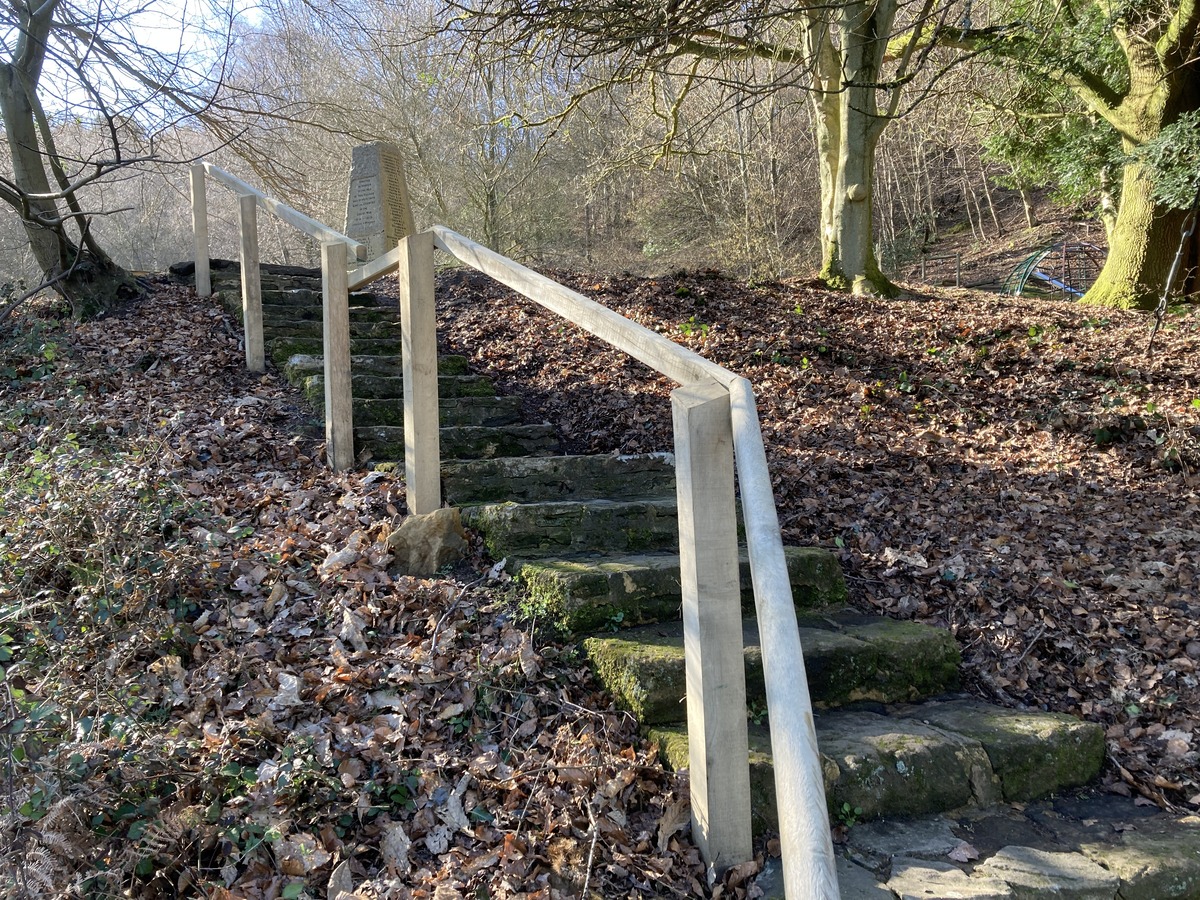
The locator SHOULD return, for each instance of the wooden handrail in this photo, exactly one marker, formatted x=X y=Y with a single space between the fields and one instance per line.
x=660 y=353
x=298 y=220
x=375 y=269
x=808 y=858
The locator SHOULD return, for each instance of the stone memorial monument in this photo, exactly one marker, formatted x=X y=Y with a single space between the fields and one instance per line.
x=378 y=213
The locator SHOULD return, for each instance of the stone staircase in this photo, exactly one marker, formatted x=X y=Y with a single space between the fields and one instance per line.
x=594 y=538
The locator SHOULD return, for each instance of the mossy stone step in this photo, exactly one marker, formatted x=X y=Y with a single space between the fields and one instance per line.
x=391 y=387
x=281 y=349
x=555 y=528
x=894 y=764
x=314 y=328
x=386 y=442
x=488 y=412
x=302 y=366
x=275 y=314
x=849 y=658
x=311 y=298
x=589 y=592
x=522 y=479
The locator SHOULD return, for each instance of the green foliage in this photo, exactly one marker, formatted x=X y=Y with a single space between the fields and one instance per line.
x=848 y=815
x=694 y=326
x=1174 y=155
x=1068 y=154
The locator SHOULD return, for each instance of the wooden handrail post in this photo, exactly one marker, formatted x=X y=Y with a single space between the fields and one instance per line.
x=712 y=624
x=339 y=394
x=418 y=348
x=200 y=232
x=252 y=320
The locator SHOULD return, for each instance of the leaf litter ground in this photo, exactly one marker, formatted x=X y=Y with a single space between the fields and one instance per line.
x=215 y=687
x=1018 y=471
x=246 y=709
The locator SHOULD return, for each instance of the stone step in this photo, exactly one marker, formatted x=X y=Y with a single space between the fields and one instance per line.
x=523 y=479
x=1073 y=846
x=312 y=328
x=489 y=412
x=555 y=528
x=925 y=758
x=277 y=314
x=849 y=658
x=311 y=298
x=588 y=593
x=391 y=387
x=386 y=442
x=281 y=349
x=302 y=366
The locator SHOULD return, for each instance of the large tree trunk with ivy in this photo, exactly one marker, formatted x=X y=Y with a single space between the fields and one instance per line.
x=1142 y=245
x=74 y=266
x=1163 y=89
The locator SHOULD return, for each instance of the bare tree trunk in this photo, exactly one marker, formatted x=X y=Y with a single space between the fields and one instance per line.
x=76 y=269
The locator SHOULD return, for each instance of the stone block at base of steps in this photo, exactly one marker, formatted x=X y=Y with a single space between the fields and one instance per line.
x=301 y=366
x=848 y=657
x=289 y=314
x=453 y=410
x=281 y=349
x=589 y=593
x=1074 y=847
x=522 y=479
x=386 y=442
x=925 y=758
x=557 y=528
x=391 y=387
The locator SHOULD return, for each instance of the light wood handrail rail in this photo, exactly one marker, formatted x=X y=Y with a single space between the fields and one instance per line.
x=298 y=220
x=659 y=353
x=808 y=859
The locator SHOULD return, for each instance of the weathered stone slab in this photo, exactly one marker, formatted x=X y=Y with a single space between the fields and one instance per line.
x=876 y=844
x=605 y=477
x=302 y=366
x=391 y=387
x=589 y=593
x=472 y=411
x=378 y=212
x=884 y=661
x=857 y=883
x=556 y=528
x=926 y=880
x=425 y=543
x=1156 y=863
x=282 y=349
x=463 y=441
x=926 y=659
x=896 y=767
x=284 y=314
x=302 y=328
x=644 y=667
x=1033 y=753
x=854 y=882
x=1032 y=874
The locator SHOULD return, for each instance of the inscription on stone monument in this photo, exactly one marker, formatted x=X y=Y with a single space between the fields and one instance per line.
x=378 y=213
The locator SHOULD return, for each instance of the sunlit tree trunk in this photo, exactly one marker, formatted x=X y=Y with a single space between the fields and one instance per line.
x=1164 y=83
x=850 y=254
x=76 y=268
x=1142 y=245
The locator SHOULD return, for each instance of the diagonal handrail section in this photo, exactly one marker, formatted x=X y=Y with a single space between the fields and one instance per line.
x=716 y=431
x=809 y=869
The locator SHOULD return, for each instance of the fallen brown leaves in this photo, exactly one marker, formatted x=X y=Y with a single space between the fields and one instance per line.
x=252 y=705
x=1015 y=470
